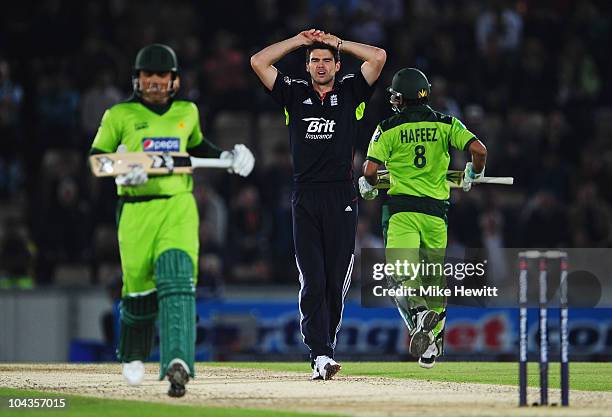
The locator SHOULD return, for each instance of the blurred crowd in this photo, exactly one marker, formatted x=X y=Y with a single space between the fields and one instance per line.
x=532 y=78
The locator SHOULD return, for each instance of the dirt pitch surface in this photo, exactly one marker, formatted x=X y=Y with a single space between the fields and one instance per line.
x=345 y=395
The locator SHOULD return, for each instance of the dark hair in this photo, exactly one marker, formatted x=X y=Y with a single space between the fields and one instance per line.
x=318 y=45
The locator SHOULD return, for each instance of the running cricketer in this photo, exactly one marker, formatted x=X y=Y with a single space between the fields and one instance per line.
x=414 y=145
x=322 y=115
x=158 y=219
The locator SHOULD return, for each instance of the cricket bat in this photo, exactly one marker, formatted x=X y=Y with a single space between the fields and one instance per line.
x=154 y=163
x=454 y=179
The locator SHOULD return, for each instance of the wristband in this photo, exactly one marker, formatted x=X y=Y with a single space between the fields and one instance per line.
x=473 y=175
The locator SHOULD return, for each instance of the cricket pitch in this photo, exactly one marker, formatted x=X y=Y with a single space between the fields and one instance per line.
x=222 y=386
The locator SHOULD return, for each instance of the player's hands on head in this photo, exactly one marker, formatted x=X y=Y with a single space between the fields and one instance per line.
x=242 y=159
x=308 y=37
x=328 y=39
x=135 y=177
x=367 y=191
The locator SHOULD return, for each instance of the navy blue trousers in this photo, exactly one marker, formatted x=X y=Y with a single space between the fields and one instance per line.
x=324 y=227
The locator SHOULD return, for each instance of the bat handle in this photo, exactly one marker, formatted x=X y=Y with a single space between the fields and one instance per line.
x=211 y=163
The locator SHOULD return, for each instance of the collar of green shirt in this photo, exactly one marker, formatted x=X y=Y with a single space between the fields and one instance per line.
x=155 y=108
x=416 y=108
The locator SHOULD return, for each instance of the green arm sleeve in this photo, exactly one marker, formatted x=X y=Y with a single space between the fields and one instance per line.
x=379 y=149
x=460 y=137
x=205 y=149
x=198 y=145
x=108 y=137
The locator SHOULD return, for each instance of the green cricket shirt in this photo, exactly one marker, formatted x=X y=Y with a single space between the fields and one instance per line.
x=141 y=129
x=414 y=145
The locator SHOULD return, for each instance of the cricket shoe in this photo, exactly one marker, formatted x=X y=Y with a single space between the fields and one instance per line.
x=326 y=367
x=428 y=359
x=422 y=336
x=133 y=372
x=316 y=375
x=178 y=376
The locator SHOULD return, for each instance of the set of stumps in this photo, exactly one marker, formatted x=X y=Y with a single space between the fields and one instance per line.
x=543 y=259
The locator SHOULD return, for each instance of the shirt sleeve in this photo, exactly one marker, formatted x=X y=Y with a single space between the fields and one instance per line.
x=282 y=90
x=108 y=136
x=198 y=145
x=379 y=149
x=196 y=136
x=460 y=137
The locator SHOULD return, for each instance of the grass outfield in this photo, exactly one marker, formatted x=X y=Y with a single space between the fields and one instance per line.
x=586 y=376
x=96 y=407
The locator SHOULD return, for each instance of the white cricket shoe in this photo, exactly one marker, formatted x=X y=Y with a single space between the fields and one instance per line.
x=428 y=359
x=133 y=372
x=421 y=336
x=326 y=367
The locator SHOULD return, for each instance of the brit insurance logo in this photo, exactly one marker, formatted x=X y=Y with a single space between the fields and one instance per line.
x=161 y=144
x=319 y=128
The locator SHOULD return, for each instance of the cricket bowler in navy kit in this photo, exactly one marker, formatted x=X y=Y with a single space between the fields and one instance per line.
x=158 y=219
x=322 y=116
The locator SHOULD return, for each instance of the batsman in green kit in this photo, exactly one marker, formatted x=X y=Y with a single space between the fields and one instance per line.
x=157 y=218
x=414 y=146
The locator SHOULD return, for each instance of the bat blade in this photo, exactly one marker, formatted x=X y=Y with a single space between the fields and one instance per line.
x=154 y=163
x=453 y=178
x=384 y=180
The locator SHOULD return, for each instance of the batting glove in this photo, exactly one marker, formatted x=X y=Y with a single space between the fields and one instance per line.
x=135 y=177
x=469 y=176
x=242 y=159
x=367 y=191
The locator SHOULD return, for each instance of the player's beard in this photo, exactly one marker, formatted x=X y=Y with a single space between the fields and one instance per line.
x=156 y=93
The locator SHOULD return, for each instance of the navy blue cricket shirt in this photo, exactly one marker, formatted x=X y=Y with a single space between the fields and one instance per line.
x=322 y=130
